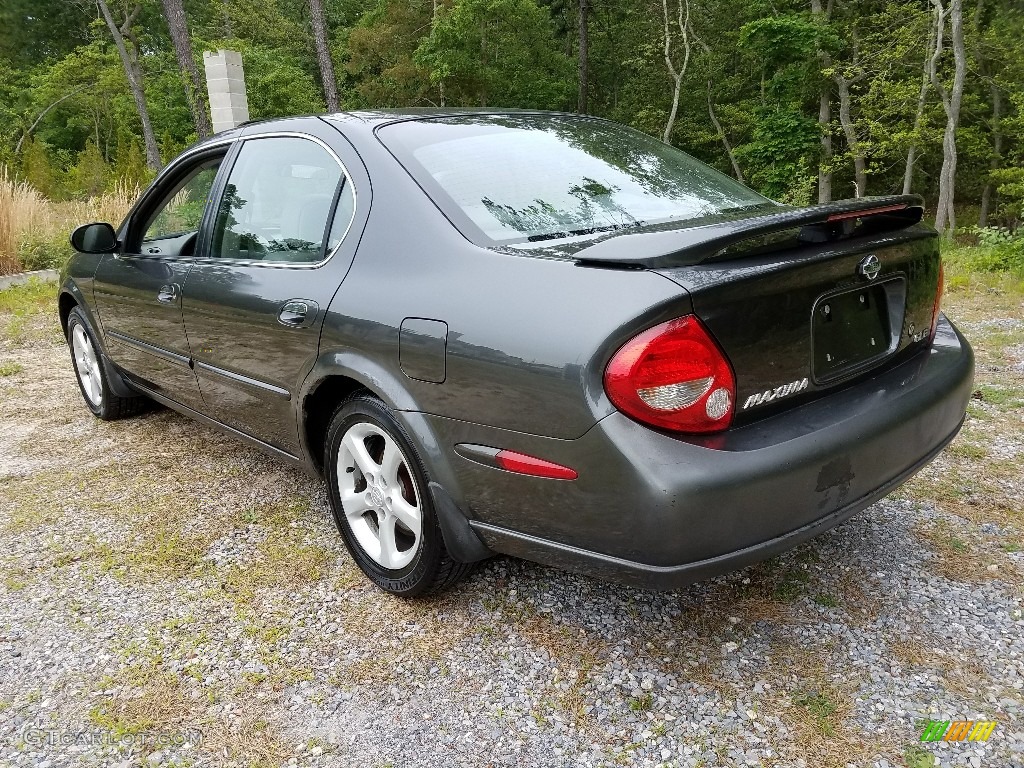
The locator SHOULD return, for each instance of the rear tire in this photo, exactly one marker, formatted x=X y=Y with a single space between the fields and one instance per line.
x=379 y=496
x=92 y=376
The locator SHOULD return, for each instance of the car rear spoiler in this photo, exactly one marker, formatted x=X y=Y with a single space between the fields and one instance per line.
x=733 y=237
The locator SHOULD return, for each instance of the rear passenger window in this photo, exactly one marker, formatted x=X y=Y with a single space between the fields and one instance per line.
x=277 y=201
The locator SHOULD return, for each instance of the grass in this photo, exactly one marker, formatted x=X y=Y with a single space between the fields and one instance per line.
x=28 y=312
x=34 y=231
x=821 y=708
x=916 y=756
x=10 y=369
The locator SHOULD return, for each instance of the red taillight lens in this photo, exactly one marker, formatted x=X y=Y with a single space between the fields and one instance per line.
x=938 y=302
x=531 y=465
x=673 y=376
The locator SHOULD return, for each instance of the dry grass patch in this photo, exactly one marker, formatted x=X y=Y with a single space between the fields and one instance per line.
x=400 y=635
x=959 y=559
x=148 y=700
x=819 y=709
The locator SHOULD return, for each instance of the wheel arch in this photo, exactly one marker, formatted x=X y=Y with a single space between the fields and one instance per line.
x=65 y=303
x=335 y=376
x=338 y=376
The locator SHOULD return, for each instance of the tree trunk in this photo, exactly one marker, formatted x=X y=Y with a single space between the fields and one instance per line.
x=824 y=124
x=945 y=215
x=676 y=74
x=583 y=56
x=323 y=54
x=195 y=94
x=860 y=170
x=997 y=147
x=725 y=139
x=824 y=114
x=922 y=99
x=435 y=16
x=133 y=72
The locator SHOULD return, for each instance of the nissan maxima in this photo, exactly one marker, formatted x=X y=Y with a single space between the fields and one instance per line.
x=537 y=334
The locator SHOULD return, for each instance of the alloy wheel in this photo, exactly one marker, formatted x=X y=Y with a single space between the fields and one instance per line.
x=379 y=496
x=88 y=365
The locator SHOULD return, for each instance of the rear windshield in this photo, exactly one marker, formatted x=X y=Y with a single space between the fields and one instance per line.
x=520 y=178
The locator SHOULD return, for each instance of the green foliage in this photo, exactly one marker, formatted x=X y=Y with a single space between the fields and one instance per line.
x=277 y=84
x=66 y=108
x=1010 y=187
x=778 y=155
x=379 y=54
x=998 y=250
x=499 y=52
x=785 y=39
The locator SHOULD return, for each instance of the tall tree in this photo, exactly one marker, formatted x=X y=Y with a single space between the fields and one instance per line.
x=922 y=100
x=583 y=56
x=195 y=94
x=822 y=14
x=133 y=72
x=318 y=21
x=844 y=82
x=945 y=215
x=676 y=72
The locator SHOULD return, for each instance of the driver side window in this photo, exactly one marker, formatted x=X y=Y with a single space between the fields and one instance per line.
x=180 y=212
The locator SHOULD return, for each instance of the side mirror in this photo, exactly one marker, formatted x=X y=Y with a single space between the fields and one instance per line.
x=94 y=238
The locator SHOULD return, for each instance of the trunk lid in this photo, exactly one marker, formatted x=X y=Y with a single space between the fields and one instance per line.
x=800 y=300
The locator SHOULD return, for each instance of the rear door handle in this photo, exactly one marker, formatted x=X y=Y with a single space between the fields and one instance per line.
x=168 y=293
x=298 y=313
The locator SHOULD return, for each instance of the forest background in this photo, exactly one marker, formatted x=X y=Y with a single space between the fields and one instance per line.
x=804 y=101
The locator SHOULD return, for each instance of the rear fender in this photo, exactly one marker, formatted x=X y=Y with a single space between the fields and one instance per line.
x=461 y=541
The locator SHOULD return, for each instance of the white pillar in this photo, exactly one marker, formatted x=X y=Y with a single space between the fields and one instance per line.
x=225 y=82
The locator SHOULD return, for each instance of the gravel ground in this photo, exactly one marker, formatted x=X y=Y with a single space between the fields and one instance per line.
x=170 y=597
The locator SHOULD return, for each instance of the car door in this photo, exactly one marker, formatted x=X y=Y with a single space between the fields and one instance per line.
x=138 y=290
x=254 y=302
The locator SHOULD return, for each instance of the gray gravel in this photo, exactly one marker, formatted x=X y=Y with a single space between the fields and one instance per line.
x=833 y=654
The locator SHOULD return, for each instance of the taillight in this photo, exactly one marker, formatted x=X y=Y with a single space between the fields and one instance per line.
x=938 y=302
x=673 y=376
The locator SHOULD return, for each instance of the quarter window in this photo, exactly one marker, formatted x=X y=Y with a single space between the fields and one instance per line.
x=277 y=202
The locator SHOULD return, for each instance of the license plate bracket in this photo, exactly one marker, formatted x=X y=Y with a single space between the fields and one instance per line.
x=855 y=328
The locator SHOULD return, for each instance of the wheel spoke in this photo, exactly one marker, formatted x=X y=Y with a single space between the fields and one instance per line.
x=390 y=462
x=357 y=448
x=388 y=547
x=407 y=514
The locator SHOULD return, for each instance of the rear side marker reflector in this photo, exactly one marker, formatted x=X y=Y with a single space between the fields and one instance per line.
x=531 y=465
x=513 y=461
x=867 y=212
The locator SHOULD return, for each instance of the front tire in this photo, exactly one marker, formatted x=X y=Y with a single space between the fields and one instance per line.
x=91 y=375
x=378 y=491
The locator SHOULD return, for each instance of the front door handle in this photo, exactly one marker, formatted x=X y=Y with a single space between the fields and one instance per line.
x=298 y=313
x=168 y=293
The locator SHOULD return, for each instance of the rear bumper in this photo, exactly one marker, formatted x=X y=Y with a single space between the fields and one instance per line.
x=662 y=512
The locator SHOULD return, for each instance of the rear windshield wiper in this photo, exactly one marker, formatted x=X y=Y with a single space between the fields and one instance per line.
x=584 y=231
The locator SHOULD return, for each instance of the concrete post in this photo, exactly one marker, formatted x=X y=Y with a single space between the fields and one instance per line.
x=225 y=82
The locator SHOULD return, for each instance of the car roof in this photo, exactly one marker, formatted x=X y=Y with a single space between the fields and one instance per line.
x=379 y=116
x=370 y=119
